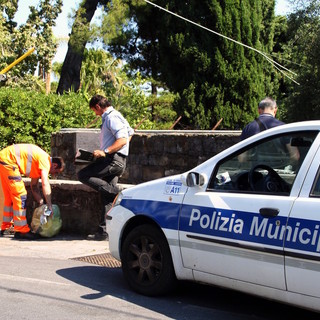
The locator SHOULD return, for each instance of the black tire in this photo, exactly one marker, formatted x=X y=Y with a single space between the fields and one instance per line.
x=146 y=261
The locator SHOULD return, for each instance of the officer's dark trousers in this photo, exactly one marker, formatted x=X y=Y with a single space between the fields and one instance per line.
x=102 y=175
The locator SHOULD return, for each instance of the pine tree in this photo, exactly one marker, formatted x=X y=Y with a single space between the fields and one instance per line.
x=214 y=77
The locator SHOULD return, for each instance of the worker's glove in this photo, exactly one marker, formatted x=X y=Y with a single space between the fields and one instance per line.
x=3 y=78
x=44 y=217
x=47 y=212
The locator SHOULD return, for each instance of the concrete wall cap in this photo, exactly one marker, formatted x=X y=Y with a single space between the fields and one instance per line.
x=72 y=185
x=170 y=132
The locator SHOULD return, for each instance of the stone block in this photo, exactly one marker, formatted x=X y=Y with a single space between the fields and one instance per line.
x=149 y=150
x=151 y=173
x=153 y=154
x=80 y=206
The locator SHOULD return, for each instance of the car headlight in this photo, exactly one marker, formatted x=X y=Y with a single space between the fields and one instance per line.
x=117 y=200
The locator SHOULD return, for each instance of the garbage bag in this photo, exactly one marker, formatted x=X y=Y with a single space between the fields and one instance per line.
x=46 y=226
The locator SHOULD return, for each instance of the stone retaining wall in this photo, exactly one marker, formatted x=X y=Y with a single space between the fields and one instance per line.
x=153 y=154
x=79 y=205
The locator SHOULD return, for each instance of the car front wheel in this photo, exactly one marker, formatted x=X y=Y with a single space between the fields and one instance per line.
x=146 y=261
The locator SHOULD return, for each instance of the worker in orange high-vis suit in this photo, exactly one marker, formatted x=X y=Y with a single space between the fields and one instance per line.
x=31 y=161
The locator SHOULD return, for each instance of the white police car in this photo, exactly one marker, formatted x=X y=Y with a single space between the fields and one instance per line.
x=246 y=219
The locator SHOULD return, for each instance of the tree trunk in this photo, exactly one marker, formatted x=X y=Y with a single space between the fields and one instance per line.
x=70 y=72
x=48 y=80
x=154 y=91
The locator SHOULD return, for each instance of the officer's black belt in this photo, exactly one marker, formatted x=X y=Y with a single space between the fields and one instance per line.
x=121 y=155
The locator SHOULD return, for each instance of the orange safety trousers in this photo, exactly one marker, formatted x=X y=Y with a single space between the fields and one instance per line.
x=15 y=198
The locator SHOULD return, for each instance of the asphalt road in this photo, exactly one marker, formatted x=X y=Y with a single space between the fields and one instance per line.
x=45 y=280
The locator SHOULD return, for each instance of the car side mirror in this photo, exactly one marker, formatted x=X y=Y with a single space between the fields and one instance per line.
x=193 y=179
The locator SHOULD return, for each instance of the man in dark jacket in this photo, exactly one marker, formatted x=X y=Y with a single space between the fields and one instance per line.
x=267 y=109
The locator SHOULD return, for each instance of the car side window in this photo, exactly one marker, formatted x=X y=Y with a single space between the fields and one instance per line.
x=268 y=167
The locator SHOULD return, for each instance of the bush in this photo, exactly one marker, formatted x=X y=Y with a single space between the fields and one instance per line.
x=30 y=117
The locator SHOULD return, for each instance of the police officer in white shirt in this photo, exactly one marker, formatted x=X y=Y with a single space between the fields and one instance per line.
x=103 y=174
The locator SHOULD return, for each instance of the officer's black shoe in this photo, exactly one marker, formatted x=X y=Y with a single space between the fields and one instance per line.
x=100 y=235
x=2 y=232
x=26 y=236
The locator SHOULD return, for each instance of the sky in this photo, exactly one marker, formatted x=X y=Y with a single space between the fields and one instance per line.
x=62 y=29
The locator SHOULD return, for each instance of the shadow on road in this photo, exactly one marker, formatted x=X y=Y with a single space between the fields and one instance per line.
x=188 y=301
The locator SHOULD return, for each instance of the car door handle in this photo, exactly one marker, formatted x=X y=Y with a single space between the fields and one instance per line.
x=269 y=212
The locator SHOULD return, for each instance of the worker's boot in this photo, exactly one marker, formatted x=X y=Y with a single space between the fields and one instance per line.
x=26 y=236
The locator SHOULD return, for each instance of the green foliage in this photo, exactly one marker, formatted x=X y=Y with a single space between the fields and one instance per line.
x=102 y=74
x=36 y=32
x=145 y=110
x=29 y=116
x=202 y=76
x=224 y=80
x=302 y=33
x=81 y=31
x=113 y=22
x=27 y=82
x=214 y=77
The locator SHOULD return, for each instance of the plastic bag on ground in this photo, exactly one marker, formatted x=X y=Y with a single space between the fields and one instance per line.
x=46 y=226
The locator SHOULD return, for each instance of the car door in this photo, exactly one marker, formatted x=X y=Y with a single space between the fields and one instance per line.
x=302 y=241
x=234 y=227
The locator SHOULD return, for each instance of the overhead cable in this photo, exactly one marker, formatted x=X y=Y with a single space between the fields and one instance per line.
x=277 y=65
